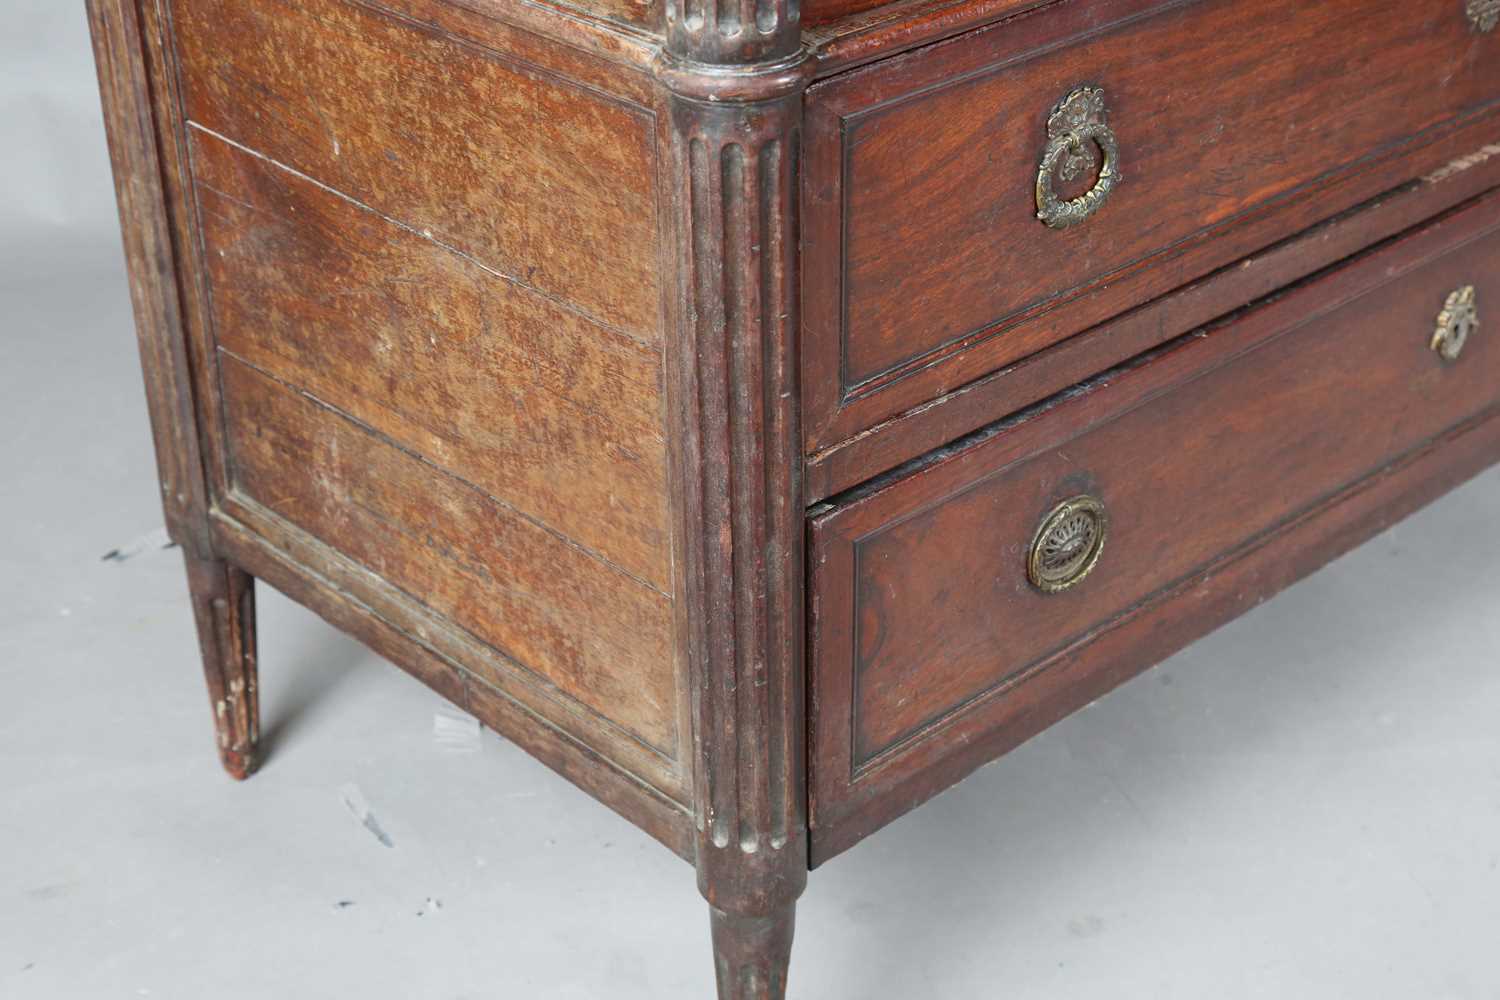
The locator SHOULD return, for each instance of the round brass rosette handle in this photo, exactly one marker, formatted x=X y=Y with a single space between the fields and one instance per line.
x=1078 y=120
x=1456 y=323
x=1068 y=544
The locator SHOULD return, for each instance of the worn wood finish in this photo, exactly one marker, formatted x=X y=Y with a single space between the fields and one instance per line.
x=593 y=633
x=538 y=423
x=143 y=85
x=830 y=11
x=476 y=327
x=382 y=601
x=846 y=33
x=548 y=412
x=222 y=596
x=140 y=185
x=732 y=83
x=397 y=628
x=925 y=612
x=613 y=54
x=223 y=599
x=752 y=953
x=1472 y=166
x=927 y=264
x=444 y=137
x=1193 y=609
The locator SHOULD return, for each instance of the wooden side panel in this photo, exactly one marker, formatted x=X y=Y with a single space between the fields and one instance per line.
x=548 y=183
x=532 y=403
x=515 y=585
x=399 y=634
x=432 y=341
x=141 y=182
x=927 y=623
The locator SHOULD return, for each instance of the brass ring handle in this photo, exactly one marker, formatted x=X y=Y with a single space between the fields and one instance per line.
x=1068 y=544
x=1456 y=323
x=1080 y=118
x=1484 y=14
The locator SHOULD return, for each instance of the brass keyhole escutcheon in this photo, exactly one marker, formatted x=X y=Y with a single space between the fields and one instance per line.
x=1458 y=321
x=1078 y=120
x=1068 y=544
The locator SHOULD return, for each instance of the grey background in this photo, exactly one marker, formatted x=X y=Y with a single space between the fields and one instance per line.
x=1305 y=805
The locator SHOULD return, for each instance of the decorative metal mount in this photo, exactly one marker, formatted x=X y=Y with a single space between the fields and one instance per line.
x=1068 y=544
x=1458 y=321
x=1485 y=14
x=1079 y=119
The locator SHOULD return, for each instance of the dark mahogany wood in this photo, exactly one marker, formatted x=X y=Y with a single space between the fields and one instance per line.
x=752 y=953
x=849 y=33
x=476 y=326
x=1472 y=165
x=1238 y=124
x=1196 y=607
x=734 y=110
x=928 y=636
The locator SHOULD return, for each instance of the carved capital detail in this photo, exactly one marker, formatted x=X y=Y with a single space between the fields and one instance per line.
x=733 y=181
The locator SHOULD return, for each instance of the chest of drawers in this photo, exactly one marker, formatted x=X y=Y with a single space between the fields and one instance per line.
x=765 y=416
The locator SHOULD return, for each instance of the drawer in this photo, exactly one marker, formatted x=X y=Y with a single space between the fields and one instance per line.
x=965 y=601
x=1229 y=125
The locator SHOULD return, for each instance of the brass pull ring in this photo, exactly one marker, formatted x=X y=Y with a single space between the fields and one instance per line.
x=1078 y=120
x=1456 y=323
x=1068 y=544
x=1484 y=14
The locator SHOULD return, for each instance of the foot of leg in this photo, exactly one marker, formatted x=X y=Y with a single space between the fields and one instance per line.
x=224 y=608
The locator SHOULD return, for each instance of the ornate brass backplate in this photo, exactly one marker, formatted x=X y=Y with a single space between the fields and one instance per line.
x=1079 y=119
x=1484 y=13
x=1068 y=544
x=1456 y=323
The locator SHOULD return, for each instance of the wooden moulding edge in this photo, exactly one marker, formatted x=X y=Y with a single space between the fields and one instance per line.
x=638 y=801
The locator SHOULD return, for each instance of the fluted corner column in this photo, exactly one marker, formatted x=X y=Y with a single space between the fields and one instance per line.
x=733 y=78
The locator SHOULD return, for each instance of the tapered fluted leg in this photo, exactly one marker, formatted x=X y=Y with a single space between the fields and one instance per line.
x=732 y=179
x=751 y=954
x=224 y=608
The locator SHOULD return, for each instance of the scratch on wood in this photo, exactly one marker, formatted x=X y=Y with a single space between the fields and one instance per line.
x=1463 y=163
x=427 y=235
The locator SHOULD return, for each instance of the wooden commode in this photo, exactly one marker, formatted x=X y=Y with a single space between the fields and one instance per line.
x=766 y=416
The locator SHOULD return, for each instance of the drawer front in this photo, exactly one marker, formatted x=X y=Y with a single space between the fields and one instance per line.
x=943 y=614
x=1228 y=124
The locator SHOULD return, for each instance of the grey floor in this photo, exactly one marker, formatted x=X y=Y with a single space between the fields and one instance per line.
x=1305 y=805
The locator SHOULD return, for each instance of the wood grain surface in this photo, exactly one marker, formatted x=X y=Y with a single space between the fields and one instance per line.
x=545 y=182
x=924 y=610
x=598 y=636
x=1472 y=167
x=1238 y=125
x=440 y=262
x=532 y=403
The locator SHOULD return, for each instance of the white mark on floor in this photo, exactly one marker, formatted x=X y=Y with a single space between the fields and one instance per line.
x=455 y=731
x=152 y=541
x=359 y=808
